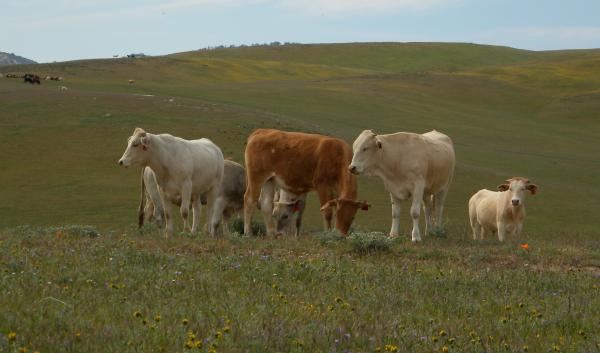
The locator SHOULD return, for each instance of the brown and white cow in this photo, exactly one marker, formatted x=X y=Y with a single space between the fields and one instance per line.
x=420 y=166
x=301 y=162
x=500 y=211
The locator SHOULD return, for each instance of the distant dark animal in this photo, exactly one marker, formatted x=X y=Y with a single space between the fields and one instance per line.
x=131 y=82
x=29 y=78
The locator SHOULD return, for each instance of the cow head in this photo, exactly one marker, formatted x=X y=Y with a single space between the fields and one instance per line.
x=366 y=148
x=283 y=212
x=517 y=188
x=345 y=212
x=136 y=153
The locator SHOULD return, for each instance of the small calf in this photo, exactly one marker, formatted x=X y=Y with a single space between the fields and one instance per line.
x=500 y=211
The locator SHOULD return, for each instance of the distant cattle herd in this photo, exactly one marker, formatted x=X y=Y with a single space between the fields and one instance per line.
x=33 y=78
x=282 y=167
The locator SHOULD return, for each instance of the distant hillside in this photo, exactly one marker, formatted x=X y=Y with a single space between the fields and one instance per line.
x=12 y=59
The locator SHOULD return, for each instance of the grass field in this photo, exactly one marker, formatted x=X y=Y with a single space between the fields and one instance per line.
x=510 y=112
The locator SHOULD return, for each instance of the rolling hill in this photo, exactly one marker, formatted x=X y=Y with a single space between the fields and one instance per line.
x=509 y=111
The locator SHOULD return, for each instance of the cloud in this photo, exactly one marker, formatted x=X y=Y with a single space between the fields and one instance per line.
x=362 y=6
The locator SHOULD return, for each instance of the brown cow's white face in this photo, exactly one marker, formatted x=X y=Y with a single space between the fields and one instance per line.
x=365 y=150
x=136 y=153
x=345 y=212
x=517 y=187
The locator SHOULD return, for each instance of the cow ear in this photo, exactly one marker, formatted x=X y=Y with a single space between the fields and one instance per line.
x=532 y=188
x=503 y=187
x=379 y=144
x=139 y=130
x=329 y=204
x=363 y=205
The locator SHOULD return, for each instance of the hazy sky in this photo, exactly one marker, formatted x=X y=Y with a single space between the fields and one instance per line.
x=48 y=30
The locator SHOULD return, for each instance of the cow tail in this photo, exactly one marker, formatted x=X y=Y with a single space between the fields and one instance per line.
x=142 y=201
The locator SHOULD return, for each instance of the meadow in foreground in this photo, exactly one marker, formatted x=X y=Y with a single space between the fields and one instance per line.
x=71 y=289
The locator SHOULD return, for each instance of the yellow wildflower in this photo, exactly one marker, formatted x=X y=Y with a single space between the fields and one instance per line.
x=445 y=349
x=189 y=344
x=157 y=318
x=137 y=313
x=442 y=333
x=199 y=344
x=22 y=350
x=12 y=336
x=226 y=329
x=184 y=322
x=218 y=335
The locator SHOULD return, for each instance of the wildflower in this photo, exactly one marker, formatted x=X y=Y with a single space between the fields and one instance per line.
x=191 y=335
x=445 y=349
x=377 y=349
x=12 y=336
x=451 y=341
x=524 y=246
x=22 y=350
x=525 y=348
x=506 y=346
x=391 y=348
x=218 y=335
x=507 y=308
x=184 y=322
x=298 y=342
x=78 y=334
x=556 y=348
x=157 y=318
x=521 y=305
x=442 y=333
x=434 y=338
x=198 y=344
x=226 y=329
x=189 y=344
x=338 y=300
x=137 y=314
x=504 y=320
x=144 y=322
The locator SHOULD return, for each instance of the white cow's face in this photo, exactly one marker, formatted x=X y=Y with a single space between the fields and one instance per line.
x=366 y=148
x=517 y=188
x=136 y=153
x=283 y=212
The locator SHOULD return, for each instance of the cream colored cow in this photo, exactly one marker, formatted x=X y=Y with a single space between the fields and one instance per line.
x=500 y=211
x=184 y=170
x=417 y=166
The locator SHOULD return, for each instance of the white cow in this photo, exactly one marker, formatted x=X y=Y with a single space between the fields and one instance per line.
x=420 y=166
x=500 y=211
x=184 y=171
x=284 y=208
x=231 y=193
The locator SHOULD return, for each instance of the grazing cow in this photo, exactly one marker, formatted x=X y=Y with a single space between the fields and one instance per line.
x=63 y=88
x=184 y=169
x=131 y=82
x=420 y=166
x=500 y=211
x=29 y=78
x=298 y=163
x=231 y=192
x=285 y=208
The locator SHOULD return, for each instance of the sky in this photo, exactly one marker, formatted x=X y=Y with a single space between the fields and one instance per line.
x=59 y=30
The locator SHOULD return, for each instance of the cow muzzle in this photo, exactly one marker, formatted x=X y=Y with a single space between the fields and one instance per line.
x=353 y=169
x=516 y=202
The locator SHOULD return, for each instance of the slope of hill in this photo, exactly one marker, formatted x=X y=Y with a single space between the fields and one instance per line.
x=510 y=112
x=12 y=59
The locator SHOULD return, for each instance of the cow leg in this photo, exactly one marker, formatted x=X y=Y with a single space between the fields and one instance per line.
x=251 y=196
x=415 y=211
x=168 y=212
x=184 y=209
x=325 y=195
x=476 y=228
x=501 y=231
x=214 y=206
x=429 y=211
x=482 y=233
x=267 y=193
x=395 y=231
x=438 y=206
x=197 y=210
